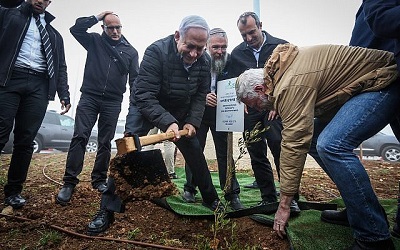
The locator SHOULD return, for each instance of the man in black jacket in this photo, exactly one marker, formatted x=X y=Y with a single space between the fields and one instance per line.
x=28 y=80
x=110 y=59
x=220 y=60
x=253 y=52
x=170 y=93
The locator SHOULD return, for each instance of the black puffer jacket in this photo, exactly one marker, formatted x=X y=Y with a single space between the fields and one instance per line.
x=14 y=24
x=102 y=77
x=165 y=92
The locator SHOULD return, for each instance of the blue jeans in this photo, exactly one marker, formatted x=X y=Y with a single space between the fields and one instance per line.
x=358 y=119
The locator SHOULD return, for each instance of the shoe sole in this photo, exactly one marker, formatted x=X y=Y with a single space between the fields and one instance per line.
x=99 y=231
x=62 y=203
x=15 y=206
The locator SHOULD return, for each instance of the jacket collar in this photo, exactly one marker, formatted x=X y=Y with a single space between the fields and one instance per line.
x=26 y=9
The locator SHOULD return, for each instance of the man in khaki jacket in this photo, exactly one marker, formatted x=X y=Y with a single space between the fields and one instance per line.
x=330 y=99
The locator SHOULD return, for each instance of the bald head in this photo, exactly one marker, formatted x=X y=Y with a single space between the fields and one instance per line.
x=112 y=26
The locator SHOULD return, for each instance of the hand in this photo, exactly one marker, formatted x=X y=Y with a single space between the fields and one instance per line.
x=211 y=99
x=191 y=129
x=101 y=16
x=174 y=128
x=282 y=215
x=65 y=107
x=272 y=115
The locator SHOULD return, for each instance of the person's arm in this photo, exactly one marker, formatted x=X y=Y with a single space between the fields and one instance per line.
x=296 y=107
x=147 y=88
x=82 y=24
x=198 y=102
x=62 y=81
x=383 y=17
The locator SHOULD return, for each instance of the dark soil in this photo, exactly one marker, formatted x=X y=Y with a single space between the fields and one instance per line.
x=43 y=224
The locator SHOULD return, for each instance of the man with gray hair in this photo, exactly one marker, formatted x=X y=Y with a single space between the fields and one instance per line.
x=352 y=91
x=220 y=61
x=170 y=93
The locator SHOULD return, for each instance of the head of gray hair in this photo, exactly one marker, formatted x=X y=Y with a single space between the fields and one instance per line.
x=192 y=21
x=218 y=32
x=246 y=82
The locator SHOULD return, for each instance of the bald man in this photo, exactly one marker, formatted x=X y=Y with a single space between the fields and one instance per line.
x=110 y=60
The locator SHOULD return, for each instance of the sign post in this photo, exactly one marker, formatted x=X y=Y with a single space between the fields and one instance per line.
x=230 y=118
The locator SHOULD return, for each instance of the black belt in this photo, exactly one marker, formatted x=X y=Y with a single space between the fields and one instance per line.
x=31 y=72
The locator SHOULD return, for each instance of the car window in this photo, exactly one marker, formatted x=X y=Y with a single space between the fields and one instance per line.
x=51 y=118
x=66 y=121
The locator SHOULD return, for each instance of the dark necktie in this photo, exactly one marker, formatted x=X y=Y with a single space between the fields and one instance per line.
x=46 y=45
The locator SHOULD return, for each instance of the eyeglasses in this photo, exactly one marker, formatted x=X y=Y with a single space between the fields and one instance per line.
x=111 y=28
x=216 y=47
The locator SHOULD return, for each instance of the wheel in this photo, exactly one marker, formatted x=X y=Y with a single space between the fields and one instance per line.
x=391 y=153
x=37 y=145
x=91 y=147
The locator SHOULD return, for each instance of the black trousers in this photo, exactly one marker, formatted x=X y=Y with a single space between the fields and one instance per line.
x=258 y=151
x=90 y=109
x=23 y=102
x=190 y=149
x=220 y=144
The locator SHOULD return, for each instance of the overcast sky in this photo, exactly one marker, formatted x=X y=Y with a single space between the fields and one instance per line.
x=302 y=22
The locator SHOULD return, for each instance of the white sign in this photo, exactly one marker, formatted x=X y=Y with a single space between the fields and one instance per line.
x=230 y=113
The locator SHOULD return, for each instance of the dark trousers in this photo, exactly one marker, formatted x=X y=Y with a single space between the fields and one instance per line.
x=91 y=107
x=220 y=144
x=258 y=150
x=190 y=149
x=23 y=102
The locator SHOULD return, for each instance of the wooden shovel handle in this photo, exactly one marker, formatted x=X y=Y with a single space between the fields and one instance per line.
x=151 y=139
x=127 y=144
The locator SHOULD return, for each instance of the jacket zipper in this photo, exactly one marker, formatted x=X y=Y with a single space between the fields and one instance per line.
x=108 y=74
x=16 y=52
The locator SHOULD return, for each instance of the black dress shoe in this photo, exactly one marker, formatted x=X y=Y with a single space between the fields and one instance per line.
x=372 y=245
x=294 y=208
x=252 y=185
x=16 y=201
x=188 y=197
x=335 y=217
x=64 y=196
x=215 y=206
x=265 y=202
x=101 y=222
x=235 y=204
x=101 y=187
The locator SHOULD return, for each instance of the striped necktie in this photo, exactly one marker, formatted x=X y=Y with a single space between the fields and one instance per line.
x=46 y=45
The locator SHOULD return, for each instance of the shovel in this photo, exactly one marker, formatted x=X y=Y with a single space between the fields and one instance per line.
x=134 y=143
x=140 y=174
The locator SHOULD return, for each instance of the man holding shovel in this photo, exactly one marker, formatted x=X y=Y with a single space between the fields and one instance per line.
x=170 y=93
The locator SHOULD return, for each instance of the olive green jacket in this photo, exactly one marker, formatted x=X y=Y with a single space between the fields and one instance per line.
x=315 y=82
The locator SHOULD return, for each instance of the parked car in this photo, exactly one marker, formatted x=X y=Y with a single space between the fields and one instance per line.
x=383 y=145
x=55 y=132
